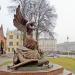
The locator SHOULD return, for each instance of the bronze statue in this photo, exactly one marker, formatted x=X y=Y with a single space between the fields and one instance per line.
x=31 y=54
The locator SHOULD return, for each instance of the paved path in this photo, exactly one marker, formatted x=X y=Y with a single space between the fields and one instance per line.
x=5 y=58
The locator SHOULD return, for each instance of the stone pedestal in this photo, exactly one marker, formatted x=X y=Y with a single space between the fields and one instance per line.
x=56 y=70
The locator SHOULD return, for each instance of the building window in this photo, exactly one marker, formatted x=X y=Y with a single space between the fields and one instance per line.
x=8 y=49
x=17 y=37
x=17 y=43
x=11 y=32
x=10 y=43
x=12 y=49
x=11 y=36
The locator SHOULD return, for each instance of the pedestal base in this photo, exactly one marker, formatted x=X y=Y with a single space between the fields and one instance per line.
x=56 y=70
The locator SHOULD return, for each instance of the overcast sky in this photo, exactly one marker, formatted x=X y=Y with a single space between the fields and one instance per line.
x=65 y=22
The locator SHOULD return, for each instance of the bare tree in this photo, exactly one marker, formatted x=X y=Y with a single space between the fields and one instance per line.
x=41 y=12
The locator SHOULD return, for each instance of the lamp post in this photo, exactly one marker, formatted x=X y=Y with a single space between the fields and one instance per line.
x=0 y=7
x=67 y=46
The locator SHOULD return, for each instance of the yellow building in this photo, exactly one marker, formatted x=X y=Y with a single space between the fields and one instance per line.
x=14 y=40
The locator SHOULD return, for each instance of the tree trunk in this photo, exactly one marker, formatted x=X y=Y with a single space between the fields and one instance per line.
x=37 y=36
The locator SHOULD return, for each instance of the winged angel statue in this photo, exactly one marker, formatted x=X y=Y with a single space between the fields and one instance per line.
x=30 y=54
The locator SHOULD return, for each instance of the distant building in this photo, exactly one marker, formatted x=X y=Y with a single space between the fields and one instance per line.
x=66 y=46
x=2 y=39
x=14 y=40
x=47 y=44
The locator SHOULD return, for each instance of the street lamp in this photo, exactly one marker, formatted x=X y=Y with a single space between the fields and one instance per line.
x=67 y=46
x=0 y=7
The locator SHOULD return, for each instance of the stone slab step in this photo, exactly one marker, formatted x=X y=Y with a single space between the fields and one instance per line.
x=66 y=72
x=55 y=70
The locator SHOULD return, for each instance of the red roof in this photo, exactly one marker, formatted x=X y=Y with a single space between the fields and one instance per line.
x=1 y=31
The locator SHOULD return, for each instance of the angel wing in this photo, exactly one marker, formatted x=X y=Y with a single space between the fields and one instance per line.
x=19 y=21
